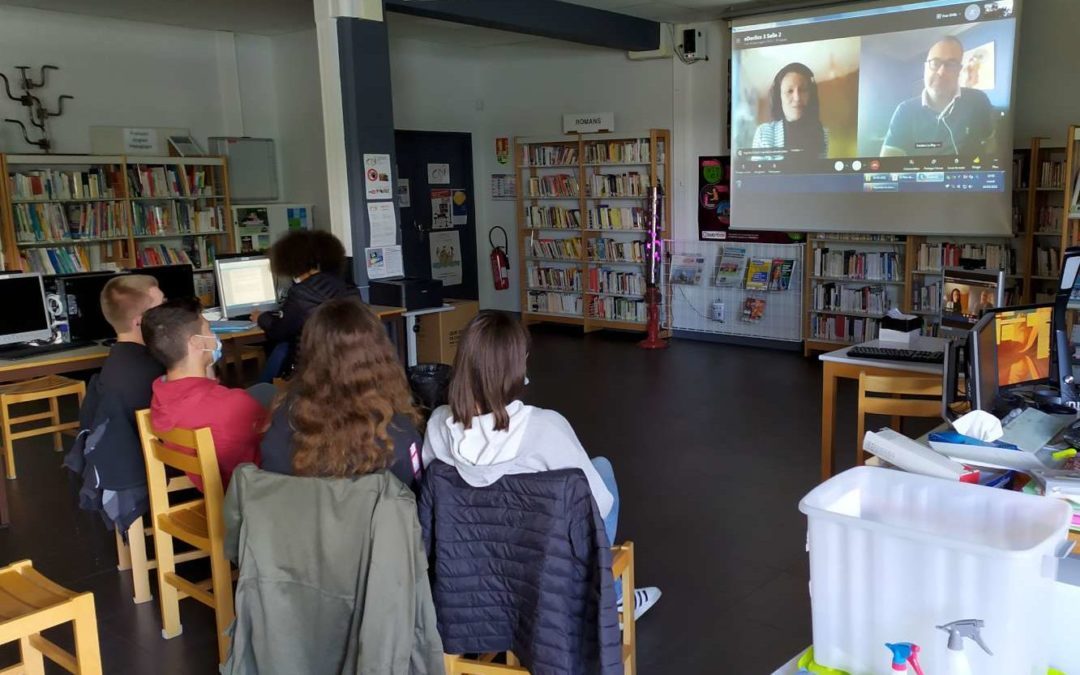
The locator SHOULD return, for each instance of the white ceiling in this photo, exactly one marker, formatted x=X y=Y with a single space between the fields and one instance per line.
x=271 y=17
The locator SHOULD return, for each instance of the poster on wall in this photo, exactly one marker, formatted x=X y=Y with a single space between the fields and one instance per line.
x=438 y=174
x=377 y=177
x=382 y=223
x=459 y=208
x=714 y=207
x=404 y=200
x=384 y=262
x=502 y=150
x=298 y=218
x=253 y=226
x=440 y=209
x=446 y=257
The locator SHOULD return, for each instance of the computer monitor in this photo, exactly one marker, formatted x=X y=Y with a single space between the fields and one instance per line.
x=26 y=315
x=1011 y=347
x=1066 y=305
x=244 y=285
x=967 y=294
x=175 y=281
x=82 y=298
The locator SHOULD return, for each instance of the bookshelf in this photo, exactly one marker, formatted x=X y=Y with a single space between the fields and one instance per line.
x=76 y=213
x=581 y=203
x=851 y=281
x=1044 y=216
x=1070 y=217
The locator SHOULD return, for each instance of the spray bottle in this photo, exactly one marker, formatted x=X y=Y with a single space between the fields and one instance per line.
x=957 y=662
x=904 y=653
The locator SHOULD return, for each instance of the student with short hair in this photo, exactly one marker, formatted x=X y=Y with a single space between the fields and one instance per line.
x=314 y=261
x=188 y=397
x=108 y=453
x=487 y=432
x=348 y=410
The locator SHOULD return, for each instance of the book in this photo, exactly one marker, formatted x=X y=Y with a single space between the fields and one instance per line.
x=757 y=274
x=729 y=266
x=787 y=271
x=904 y=453
x=753 y=310
x=686 y=269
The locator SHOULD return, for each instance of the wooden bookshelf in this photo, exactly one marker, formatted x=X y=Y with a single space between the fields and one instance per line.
x=1044 y=214
x=1070 y=219
x=562 y=183
x=91 y=212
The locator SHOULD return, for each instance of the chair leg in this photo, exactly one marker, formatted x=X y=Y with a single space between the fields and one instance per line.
x=170 y=596
x=54 y=413
x=629 y=632
x=9 y=446
x=140 y=572
x=87 y=647
x=123 y=553
x=33 y=663
x=221 y=572
x=512 y=660
x=5 y=517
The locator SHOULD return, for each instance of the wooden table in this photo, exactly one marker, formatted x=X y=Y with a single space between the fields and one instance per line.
x=838 y=365
x=54 y=363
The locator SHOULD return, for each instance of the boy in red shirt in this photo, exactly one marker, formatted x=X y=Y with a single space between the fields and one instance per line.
x=188 y=397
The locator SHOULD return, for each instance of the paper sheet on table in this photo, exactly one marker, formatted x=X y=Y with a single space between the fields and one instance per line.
x=979 y=424
x=1033 y=429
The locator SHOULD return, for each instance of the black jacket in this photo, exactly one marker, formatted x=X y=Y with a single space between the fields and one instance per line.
x=522 y=564
x=301 y=300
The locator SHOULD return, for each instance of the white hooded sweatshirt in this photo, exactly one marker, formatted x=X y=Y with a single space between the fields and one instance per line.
x=537 y=440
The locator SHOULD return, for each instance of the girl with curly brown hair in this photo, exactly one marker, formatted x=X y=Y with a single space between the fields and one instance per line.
x=348 y=410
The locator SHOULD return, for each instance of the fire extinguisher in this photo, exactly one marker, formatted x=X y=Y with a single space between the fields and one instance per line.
x=500 y=263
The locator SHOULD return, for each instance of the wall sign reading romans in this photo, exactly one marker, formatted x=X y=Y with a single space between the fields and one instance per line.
x=588 y=123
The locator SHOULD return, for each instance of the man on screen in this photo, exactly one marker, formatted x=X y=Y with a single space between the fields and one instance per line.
x=946 y=119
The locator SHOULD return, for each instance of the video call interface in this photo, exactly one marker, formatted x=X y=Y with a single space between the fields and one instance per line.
x=908 y=98
x=965 y=302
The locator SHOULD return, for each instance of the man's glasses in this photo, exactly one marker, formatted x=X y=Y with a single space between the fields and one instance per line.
x=950 y=65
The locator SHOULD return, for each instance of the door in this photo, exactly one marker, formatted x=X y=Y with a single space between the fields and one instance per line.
x=438 y=226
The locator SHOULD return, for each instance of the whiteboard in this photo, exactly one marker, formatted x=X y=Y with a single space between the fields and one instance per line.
x=252 y=166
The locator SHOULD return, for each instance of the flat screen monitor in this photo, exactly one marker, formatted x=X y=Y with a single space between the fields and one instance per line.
x=175 y=281
x=83 y=302
x=966 y=294
x=25 y=316
x=890 y=116
x=244 y=285
x=1012 y=347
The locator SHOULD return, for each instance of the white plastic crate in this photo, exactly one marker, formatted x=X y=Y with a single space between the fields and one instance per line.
x=894 y=554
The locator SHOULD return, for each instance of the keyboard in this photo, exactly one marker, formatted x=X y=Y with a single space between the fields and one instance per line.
x=896 y=354
x=231 y=326
x=29 y=351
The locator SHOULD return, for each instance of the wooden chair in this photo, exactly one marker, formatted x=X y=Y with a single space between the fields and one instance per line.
x=898 y=397
x=197 y=522
x=50 y=388
x=132 y=555
x=29 y=604
x=622 y=567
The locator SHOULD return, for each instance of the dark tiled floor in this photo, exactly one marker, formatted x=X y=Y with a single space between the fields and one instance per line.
x=713 y=446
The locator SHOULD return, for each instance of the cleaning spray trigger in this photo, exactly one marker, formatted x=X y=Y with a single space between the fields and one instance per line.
x=967 y=628
x=903 y=654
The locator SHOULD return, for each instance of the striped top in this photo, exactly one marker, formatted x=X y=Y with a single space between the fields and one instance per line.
x=771 y=135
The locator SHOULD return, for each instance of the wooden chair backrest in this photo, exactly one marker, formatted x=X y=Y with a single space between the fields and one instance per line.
x=191 y=451
x=914 y=396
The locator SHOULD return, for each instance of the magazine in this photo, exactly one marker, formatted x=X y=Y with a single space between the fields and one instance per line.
x=729 y=266
x=757 y=274
x=753 y=310
x=686 y=269
x=787 y=270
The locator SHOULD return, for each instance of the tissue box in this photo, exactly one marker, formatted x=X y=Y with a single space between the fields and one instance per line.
x=899 y=330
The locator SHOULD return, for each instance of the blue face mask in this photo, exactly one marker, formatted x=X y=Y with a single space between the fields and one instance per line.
x=216 y=351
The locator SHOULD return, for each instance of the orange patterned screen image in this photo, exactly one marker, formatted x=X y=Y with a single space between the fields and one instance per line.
x=1023 y=345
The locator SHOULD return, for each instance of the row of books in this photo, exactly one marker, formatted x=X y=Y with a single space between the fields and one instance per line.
x=1019 y=174
x=632 y=184
x=66 y=260
x=176 y=218
x=1051 y=174
x=858 y=236
x=53 y=184
x=927 y=298
x=1049 y=218
x=553 y=278
x=932 y=257
x=556 y=185
x=165 y=181
x=161 y=254
x=616 y=218
x=861 y=265
x=551 y=155
x=604 y=280
x=616 y=152
x=617 y=309
x=58 y=222
x=843 y=328
x=556 y=249
x=549 y=302
x=839 y=298
x=1048 y=262
x=602 y=249
x=553 y=217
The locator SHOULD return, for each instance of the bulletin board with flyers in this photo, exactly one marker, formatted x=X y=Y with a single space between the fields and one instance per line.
x=735 y=288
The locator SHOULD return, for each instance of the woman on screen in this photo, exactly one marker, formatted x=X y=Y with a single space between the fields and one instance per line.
x=796 y=114
x=954 y=304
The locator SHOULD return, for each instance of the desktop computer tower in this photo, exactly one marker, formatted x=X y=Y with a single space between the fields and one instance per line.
x=74 y=302
x=409 y=293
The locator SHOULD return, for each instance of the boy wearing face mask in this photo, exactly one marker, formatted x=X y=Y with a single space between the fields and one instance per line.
x=188 y=397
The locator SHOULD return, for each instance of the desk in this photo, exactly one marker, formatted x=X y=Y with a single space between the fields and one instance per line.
x=839 y=365
x=55 y=363
x=410 y=329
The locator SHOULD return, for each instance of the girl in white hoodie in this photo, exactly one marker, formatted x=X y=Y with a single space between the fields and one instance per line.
x=486 y=432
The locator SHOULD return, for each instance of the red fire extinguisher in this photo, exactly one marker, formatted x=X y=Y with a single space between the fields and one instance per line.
x=500 y=263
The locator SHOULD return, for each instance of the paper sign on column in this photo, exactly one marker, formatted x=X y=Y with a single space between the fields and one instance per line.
x=384 y=262
x=377 y=176
x=446 y=257
x=382 y=224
